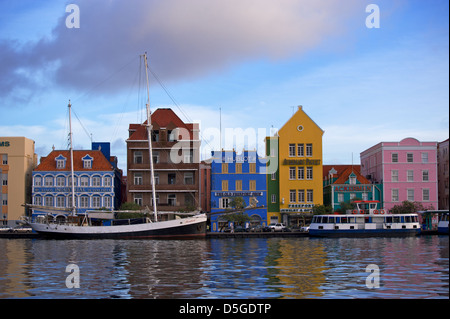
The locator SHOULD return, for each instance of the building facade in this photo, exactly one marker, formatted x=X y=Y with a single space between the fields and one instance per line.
x=175 y=146
x=97 y=180
x=300 y=182
x=17 y=160
x=233 y=176
x=407 y=171
x=443 y=175
x=344 y=183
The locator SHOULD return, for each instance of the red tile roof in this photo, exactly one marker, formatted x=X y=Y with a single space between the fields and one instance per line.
x=99 y=163
x=161 y=118
x=343 y=173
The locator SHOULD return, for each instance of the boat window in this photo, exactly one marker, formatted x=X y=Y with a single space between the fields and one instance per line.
x=367 y=219
x=331 y=220
x=396 y=219
x=324 y=219
x=408 y=219
x=402 y=219
x=415 y=219
x=351 y=220
x=338 y=220
x=389 y=219
x=344 y=220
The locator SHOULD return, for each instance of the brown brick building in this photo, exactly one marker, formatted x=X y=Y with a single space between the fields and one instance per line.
x=176 y=161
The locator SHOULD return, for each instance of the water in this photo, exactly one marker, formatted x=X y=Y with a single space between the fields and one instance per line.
x=416 y=267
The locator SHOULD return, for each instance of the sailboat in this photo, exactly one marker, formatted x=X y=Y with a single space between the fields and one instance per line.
x=81 y=226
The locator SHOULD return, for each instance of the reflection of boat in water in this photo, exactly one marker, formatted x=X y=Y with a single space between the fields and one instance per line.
x=365 y=221
x=67 y=223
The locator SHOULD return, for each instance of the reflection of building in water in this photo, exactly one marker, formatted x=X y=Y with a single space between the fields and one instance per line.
x=297 y=269
x=13 y=278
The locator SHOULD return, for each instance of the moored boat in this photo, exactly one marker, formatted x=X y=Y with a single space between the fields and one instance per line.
x=443 y=223
x=366 y=220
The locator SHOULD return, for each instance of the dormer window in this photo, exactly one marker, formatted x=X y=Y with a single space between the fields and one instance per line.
x=87 y=161
x=60 y=162
x=352 y=179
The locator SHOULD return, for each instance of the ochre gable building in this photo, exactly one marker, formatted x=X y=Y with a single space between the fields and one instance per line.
x=300 y=172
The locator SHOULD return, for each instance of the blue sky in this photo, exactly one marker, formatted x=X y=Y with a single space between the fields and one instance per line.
x=255 y=60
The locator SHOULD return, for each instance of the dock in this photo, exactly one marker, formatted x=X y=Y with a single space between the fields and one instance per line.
x=255 y=234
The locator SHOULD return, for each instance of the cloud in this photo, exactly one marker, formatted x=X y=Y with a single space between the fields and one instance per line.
x=184 y=38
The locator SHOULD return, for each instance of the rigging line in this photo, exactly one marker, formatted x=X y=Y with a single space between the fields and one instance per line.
x=176 y=103
x=85 y=130
x=104 y=80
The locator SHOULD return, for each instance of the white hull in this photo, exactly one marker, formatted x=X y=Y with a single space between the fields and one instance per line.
x=178 y=228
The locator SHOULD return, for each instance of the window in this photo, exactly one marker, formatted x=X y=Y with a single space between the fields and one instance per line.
x=309 y=172
x=224 y=185
x=60 y=164
x=188 y=156
x=425 y=194
x=155 y=155
x=96 y=202
x=48 y=181
x=5 y=159
x=189 y=199
x=4 y=179
x=410 y=157
x=300 y=150
x=96 y=181
x=156 y=176
x=84 y=181
x=84 y=202
x=238 y=168
x=37 y=181
x=301 y=173
x=171 y=178
x=310 y=196
x=410 y=195
x=138 y=199
x=340 y=197
x=292 y=196
x=189 y=178
x=394 y=194
x=394 y=175
x=291 y=172
x=291 y=150
x=60 y=181
x=38 y=200
x=224 y=202
x=49 y=201
x=273 y=198
x=87 y=163
x=225 y=168
x=107 y=201
x=156 y=198
x=137 y=157
x=425 y=176
x=106 y=181
x=171 y=136
x=5 y=199
x=171 y=199
x=424 y=157
x=301 y=195
x=238 y=185
x=309 y=149
x=352 y=180
x=252 y=185
x=410 y=175
x=274 y=176
x=394 y=157
x=155 y=136
x=138 y=180
x=252 y=168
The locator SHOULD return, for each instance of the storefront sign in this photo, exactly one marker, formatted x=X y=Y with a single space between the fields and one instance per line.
x=234 y=194
x=69 y=189
x=4 y=144
x=353 y=188
x=301 y=162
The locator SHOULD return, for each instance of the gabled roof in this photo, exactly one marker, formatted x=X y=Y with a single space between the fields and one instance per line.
x=161 y=118
x=343 y=173
x=99 y=162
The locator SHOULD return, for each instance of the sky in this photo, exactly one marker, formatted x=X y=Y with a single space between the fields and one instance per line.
x=242 y=65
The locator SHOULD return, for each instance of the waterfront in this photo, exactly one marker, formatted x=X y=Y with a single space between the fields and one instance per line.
x=414 y=267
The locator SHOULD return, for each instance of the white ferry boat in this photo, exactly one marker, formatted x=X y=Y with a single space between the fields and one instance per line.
x=365 y=221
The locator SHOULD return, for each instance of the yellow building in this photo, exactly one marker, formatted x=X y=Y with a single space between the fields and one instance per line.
x=17 y=160
x=299 y=169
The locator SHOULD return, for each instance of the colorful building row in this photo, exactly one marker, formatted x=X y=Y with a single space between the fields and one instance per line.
x=282 y=185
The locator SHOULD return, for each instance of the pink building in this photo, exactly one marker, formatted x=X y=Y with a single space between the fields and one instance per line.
x=407 y=170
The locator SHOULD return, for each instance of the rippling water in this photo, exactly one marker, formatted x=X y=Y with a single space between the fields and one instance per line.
x=416 y=267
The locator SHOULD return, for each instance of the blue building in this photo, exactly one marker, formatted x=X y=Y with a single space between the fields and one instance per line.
x=234 y=175
x=97 y=180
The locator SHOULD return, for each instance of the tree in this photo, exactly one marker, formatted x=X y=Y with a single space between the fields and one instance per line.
x=237 y=203
x=322 y=210
x=407 y=207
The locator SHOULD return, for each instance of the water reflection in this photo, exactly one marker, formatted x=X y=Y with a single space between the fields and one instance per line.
x=226 y=268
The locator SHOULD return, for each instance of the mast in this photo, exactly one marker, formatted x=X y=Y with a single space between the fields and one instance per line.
x=149 y=130
x=71 y=161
